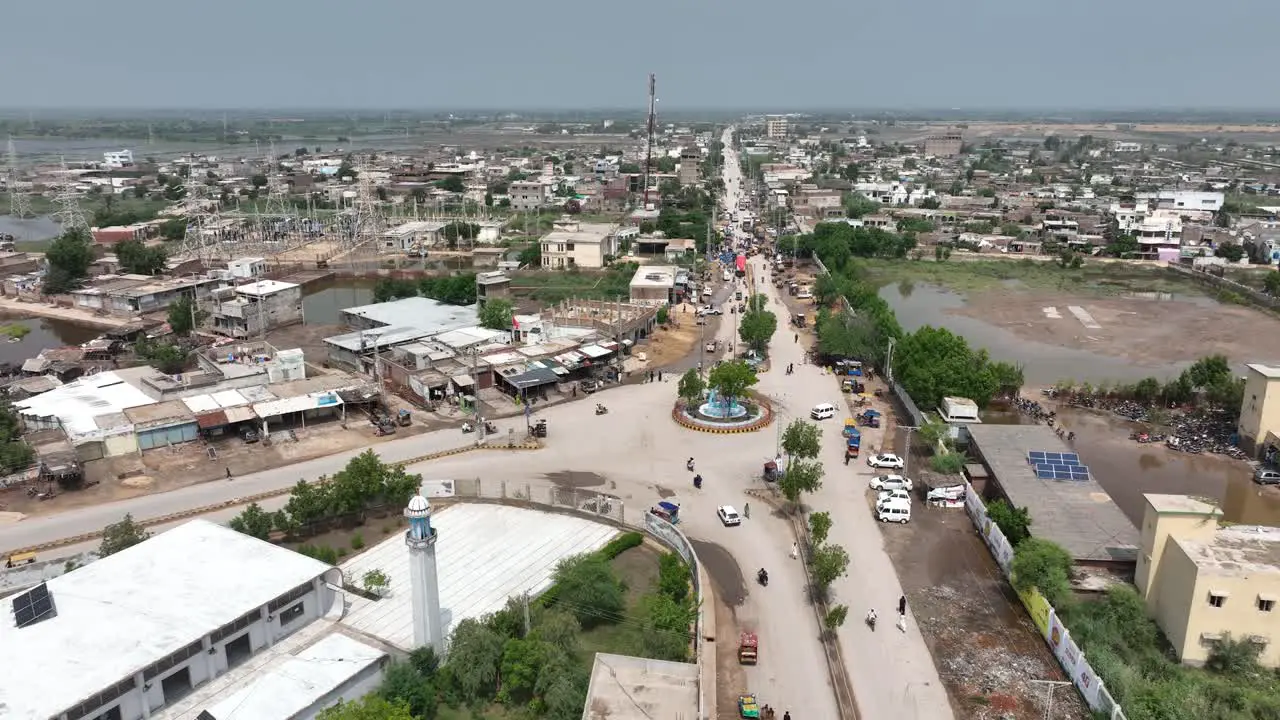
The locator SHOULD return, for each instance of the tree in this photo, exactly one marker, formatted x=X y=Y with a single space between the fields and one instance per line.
x=121 y=535
x=801 y=476
x=664 y=315
x=1123 y=246
x=732 y=379
x=1041 y=564
x=404 y=683
x=174 y=229
x=835 y=618
x=665 y=627
x=136 y=257
x=828 y=563
x=388 y=289
x=1014 y=523
x=497 y=314
x=587 y=586
x=475 y=654
x=1272 y=283
x=531 y=255
x=369 y=707
x=452 y=184
x=376 y=582
x=756 y=328
x=69 y=258
x=801 y=440
x=184 y=316
x=691 y=386
x=932 y=363
x=254 y=521
x=1231 y=252
x=819 y=527
x=673 y=577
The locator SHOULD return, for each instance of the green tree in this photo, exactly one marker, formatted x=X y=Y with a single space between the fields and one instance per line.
x=308 y=503
x=475 y=655
x=732 y=379
x=801 y=440
x=587 y=586
x=185 y=316
x=388 y=289
x=1230 y=251
x=828 y=562
x=664 y=315
x=665 y=627
x=121 y=535
x=819 y=527
x=1271 y=283
x=376 y=582
x=1123 y=246
x=1041 y=564
x=497 y=314
x=254 y=521
x=404 y=683
x=691 y=386
x=947 y=463
x=136 y=257
x=369 y=707
x=174 y=229
x=168 y=358
x=69 y=258
x=673 y=577
x=801 y=476
x=452 y=184
x=457 y=289
x=1014 y=523
x=531 y=255
x=835 y=618
x=756 y=328
x=933 y=363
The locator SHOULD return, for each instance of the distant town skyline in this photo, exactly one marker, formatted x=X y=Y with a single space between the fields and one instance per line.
x=714 y=55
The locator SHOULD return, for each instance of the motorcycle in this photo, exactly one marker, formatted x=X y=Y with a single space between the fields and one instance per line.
x=602 y=410
x=490 y=428
x=468 y=427
x=762 y=577
x=871 y=620
x=689 y=465
x=697 y=481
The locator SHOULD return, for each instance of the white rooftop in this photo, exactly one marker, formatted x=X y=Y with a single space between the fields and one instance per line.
x=264 y=287
x=418 y=312
x=77 y=403
x=117 y=616
x=485 y=554
x=290 y=685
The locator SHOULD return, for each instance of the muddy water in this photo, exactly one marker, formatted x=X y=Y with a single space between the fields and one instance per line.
x=919 y=304
x=44 y=334
x=1128 y=470
x=323 y=302
x=29 y=229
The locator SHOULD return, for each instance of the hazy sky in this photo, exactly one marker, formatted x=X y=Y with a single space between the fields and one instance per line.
x=759 y=54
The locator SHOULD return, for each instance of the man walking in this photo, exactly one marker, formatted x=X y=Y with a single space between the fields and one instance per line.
x=902 y=605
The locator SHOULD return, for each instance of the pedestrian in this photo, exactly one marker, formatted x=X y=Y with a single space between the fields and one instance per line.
x=746 y=510
x=795 y=550
x=902 y=605
x=786 y=715
x=228 y=472
x=797 y=337
x=846 y=458
x=902 y=623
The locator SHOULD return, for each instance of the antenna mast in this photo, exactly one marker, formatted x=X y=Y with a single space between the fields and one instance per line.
x=19 y=205
x=652 y=126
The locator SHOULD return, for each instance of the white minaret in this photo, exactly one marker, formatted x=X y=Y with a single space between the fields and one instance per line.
x=421 y=538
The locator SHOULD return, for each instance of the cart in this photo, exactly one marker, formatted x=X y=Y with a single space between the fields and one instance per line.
x=748 y=649
x=404 y=418
x=771 y=472
x=747 y=706
x=668 y=511
x=869 y=418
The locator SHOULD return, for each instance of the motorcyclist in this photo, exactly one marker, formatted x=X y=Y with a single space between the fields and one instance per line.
x=871 y=618
x=763 y=576
x=689 y=464
x=466 y=427
x=697 y=481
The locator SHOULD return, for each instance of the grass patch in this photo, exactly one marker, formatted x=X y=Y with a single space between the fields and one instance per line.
x=17 y=331
x=1094 y=278
x=552 y=286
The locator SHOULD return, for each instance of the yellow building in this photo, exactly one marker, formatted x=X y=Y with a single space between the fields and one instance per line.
x=1202 y=582
x=1259 y=423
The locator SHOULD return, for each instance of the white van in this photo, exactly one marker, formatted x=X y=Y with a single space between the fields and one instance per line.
x=894 y=511
x=823 y=411
x=887 y=497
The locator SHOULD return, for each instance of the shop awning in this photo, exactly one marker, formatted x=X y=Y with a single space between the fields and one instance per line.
x=463 y=380
x=593 y=351
x=212 y=419
x=532 y=378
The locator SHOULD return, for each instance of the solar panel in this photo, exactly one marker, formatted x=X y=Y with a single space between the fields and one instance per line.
x=1036 y=457
x=33 y=606
x=1071 y=458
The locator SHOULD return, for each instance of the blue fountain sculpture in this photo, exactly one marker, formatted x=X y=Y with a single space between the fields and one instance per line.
x=722 y=408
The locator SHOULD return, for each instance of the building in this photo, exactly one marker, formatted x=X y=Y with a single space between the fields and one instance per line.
x=253 y=309
x=118 y=159
x=526 y=195
x=128 y=295
x=654 y=285
x=413 y=237
x=943 y=146
x=690 y=162
x=632 y=688
x=1259 y=422
x=1203 y=582
x=492 y=285
x=135 y=632
x=247 y=267
x=777 y=127
x=577 y=244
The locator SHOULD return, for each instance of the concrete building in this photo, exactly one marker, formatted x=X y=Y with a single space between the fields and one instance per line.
x=578 y=244
x=777 y=127
x=654 y=285
x=1203 y=583
x=128 y=635
x=493 y=285
x=247 y=267
x=1259 y=422
x=117 y=159
x=943 y=146
x=527 y=195
x=690 y=164
x=256 y=308
x=414 y=236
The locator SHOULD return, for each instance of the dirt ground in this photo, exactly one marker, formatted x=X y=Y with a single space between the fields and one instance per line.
x=1145 y=331
x=309 y=338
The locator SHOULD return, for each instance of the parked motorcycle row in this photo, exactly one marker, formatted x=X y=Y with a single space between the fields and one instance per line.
x=1193 y=431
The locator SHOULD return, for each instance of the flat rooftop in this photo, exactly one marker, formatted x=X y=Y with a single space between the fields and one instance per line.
x=1237 y=550
x=77 y=403
x=119 y=615
x=485 y=554
x=632 y=688
x=1078 y=515
x=418 y=312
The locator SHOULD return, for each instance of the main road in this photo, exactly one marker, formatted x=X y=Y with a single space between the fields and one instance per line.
x=638 y=454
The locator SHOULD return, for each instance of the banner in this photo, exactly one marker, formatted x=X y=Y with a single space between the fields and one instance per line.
x=1064 y=648
x=1038 y=608
x=1089 y=685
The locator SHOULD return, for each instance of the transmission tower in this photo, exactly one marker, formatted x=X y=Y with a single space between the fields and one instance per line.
x=67 y=198
x=201 y=241
x=19 y=204
x=277 y=189
x=367 y=218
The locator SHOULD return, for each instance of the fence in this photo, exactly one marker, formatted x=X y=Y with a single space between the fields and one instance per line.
x=598 y=506
x=1044 y=616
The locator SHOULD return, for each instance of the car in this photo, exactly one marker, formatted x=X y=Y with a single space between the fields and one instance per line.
x=886 y=460
x=895 y=495
x=709 y=310
x=588 y=386
x=728 y=515
x=1264 y=476
x=249 y=434
x=890 y=482
x=706 y=292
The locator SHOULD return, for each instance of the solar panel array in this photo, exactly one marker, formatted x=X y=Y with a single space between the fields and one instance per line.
x=1058 y=466
x=33 y=606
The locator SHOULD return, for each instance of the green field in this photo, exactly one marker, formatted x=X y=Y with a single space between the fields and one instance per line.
x=964 y=276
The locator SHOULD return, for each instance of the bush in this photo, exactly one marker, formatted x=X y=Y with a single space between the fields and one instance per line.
x=673 y=577
x=587 y=586
x=357 y=541
x=948 y=463
x=1045 y=566
x=621 y=544
x=320 y=552
x=1014 y=523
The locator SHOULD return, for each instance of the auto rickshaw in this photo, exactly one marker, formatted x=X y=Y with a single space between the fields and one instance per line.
x=748 y=707
x=870 y=418
x=668 y=511
x=850 y=427
x=748 y=649
x=771 y=472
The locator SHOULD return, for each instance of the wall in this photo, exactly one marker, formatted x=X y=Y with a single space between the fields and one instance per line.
x=1260 y=411
x=1172 y=598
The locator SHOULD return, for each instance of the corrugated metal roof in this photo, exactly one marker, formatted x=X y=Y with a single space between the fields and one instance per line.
x=212 y=419
x=240 y=413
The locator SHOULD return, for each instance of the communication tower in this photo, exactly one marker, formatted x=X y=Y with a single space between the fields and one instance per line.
x=19 y=204
x=651 y=127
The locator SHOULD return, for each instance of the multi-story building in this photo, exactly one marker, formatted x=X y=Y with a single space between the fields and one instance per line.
x=690 y=160
x=118 y=159
x=1204 y=583
x=527 y=195
x=948 y=145
x=1259 y=421
x=577 y=244
x=255 y=308
x=777 y=127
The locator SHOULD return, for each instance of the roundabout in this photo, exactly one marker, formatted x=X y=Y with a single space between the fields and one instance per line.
x=723 y=415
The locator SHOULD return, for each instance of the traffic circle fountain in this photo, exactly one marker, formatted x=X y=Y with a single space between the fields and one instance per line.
x=720 y=414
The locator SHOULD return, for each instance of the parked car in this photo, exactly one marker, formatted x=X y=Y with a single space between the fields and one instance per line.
x=1264 y=476
x=249 y=434
x=890 y=482
x=728 y=515
x=894 y=495
x=886 y=460
x=894 y=512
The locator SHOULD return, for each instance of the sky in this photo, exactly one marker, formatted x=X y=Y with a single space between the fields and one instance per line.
x=707 y=54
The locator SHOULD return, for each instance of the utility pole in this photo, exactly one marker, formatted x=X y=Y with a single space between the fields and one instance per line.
x=906 y=448
x=475 y=394
x=1050 y=686
x=888 y=363
x=524 y=602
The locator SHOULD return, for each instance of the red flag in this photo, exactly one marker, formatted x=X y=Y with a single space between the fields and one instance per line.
x=515 y=324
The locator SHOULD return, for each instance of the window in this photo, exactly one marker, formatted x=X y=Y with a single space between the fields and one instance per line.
x=1217 y=600
x=291 y=613
x=1266 y=604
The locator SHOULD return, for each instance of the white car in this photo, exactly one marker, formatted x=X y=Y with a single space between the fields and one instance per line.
x=895 y=495
x=886 y=460
x=706 y=292
x=728 y=515
x=890 y=482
